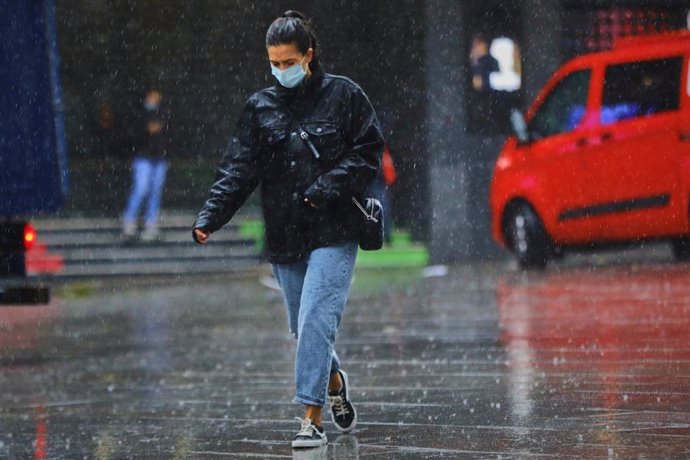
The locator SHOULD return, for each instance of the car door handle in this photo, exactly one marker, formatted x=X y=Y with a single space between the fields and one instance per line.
x=684 y=137
x=605 y=137
x=581 y=142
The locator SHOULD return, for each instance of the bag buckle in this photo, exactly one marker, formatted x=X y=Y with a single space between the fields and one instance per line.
x=369 y=217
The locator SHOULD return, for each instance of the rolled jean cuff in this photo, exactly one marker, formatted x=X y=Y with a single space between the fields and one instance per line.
x=309 y=401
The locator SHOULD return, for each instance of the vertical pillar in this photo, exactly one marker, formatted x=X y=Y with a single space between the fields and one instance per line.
x=460 y=163
x=541 y=36
x=445 y=51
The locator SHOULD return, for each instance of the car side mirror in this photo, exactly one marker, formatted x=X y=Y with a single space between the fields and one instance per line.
x=517 y=121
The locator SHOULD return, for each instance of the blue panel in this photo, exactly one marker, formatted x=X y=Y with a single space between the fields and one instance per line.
x=30 y=173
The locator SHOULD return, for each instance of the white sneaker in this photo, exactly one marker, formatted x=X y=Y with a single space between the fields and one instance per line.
x=151 y=233
x=129 y=229
x=309 y=435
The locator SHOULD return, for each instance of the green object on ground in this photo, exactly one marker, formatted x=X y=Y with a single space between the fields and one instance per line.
x=253 y=229
x=394 y=257
x=401 y=252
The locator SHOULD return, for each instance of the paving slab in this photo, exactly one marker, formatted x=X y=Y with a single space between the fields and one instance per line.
x=485 y=362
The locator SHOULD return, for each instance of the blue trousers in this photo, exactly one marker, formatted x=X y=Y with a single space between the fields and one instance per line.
x=315 y=292
x=148 y=178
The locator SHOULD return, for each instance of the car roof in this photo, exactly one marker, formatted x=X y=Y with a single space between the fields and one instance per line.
x=627 y=49
x=636 y=48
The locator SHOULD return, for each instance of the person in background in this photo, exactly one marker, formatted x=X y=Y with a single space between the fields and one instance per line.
x=482 y=64
x=482 y=99
x=149 y=167
x=312 y=227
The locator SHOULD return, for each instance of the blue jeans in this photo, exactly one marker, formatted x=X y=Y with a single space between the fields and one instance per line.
x=148 y=178
x=315 y=292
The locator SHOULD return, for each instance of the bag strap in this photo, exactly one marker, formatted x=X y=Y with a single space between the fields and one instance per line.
x=303 y=134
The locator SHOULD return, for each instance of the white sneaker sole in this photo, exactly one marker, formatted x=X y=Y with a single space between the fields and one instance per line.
x=300 y=443
x=354 y=411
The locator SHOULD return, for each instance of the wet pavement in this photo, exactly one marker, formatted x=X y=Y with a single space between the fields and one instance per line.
x=483 y=363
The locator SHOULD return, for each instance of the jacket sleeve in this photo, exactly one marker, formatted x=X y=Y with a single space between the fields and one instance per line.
x=236 y=177
x=359 y=166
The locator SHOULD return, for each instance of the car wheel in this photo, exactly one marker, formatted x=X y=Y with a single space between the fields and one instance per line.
x=681 y=248
x=527 y=237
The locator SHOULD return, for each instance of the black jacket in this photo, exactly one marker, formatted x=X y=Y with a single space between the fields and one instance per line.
x=151 y=133
x=268 y=150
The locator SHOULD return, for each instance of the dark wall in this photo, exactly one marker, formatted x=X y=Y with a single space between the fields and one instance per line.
x=208 y=57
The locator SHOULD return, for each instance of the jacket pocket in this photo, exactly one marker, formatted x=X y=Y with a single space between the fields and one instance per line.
x=325 y=137
x=273 y=134
x=272 y=143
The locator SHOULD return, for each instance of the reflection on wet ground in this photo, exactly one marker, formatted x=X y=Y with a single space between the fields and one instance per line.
x=482 y=363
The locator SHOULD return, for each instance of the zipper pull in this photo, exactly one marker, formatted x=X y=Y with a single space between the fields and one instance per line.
x=303 y=134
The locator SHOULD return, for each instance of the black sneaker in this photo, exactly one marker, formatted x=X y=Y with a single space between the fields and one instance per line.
x=342 y=411
x=309 y=435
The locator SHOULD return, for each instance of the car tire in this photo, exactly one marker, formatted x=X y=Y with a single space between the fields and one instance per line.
x=681 y=248
x=527 y=237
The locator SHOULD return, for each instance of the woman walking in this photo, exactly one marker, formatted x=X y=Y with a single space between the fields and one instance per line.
x=312 y=142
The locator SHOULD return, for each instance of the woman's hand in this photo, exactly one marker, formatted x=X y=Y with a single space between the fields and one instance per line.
x=200 y=236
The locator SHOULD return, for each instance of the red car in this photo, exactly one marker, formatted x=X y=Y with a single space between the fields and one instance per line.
x=603 y=154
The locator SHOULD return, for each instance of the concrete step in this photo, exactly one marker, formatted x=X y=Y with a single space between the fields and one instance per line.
x=161 y=268
x=104 y=223
x=189 y=252
x=114 y=239
x=95 y=248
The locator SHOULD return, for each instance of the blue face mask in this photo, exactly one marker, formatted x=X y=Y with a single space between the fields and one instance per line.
x=290 y=77
x=150 y=107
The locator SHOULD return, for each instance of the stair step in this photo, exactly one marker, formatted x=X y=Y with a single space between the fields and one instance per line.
x=96 y=223
x=169 y=245
x=107 y=237
x=164 y=268
x=190 y=253
x=92 y=248
x=180 y=221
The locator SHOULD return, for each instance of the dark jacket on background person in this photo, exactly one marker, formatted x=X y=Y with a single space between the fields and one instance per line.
x=154 y=145
x=483 y=68
x=268 y=150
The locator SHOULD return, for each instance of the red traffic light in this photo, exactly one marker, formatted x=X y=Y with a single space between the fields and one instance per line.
x=29 y=236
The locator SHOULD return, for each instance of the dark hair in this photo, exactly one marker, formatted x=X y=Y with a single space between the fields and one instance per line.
x=480 y=37
x=293 y=28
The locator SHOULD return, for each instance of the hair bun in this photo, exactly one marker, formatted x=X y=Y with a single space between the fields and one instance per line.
x=294 y=14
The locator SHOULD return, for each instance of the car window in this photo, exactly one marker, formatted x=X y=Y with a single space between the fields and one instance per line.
x=640 y=89
x=563 y=108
